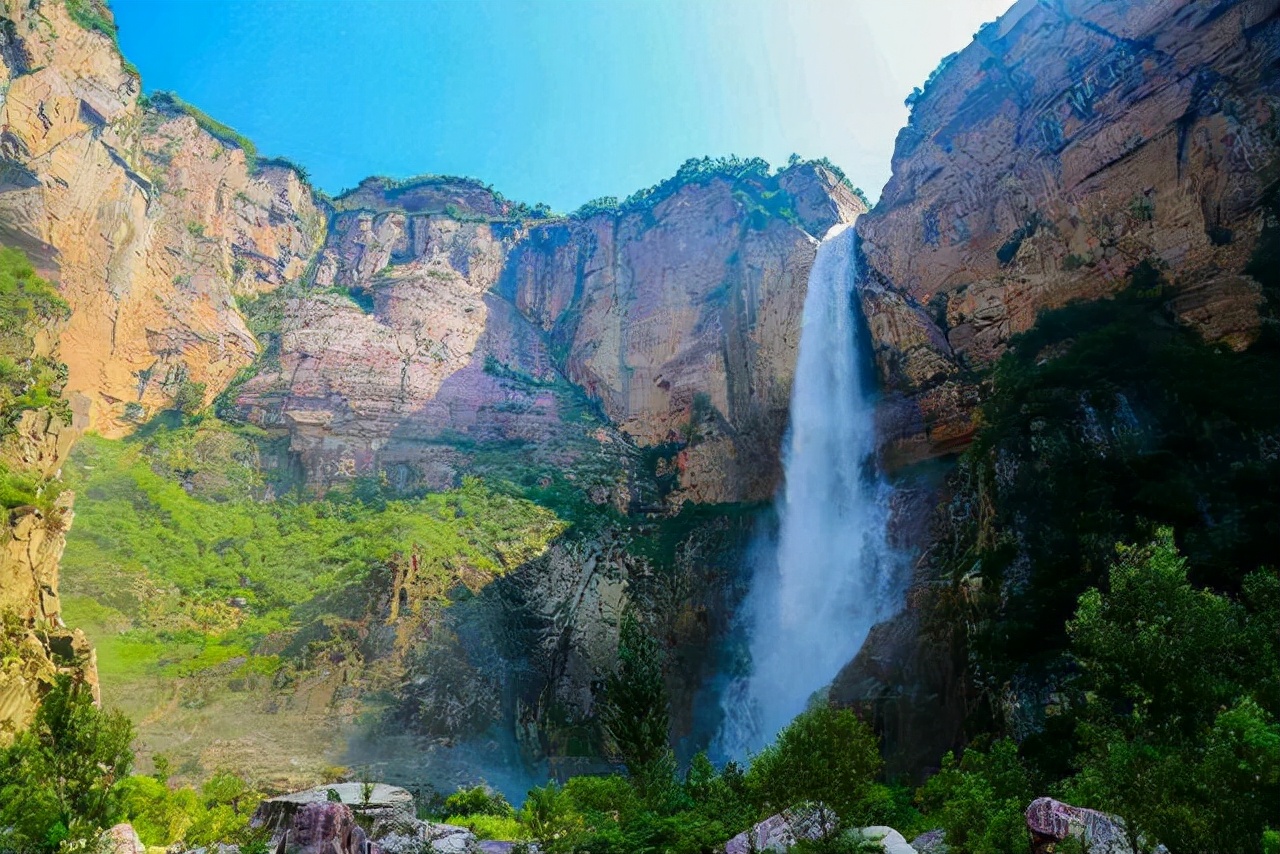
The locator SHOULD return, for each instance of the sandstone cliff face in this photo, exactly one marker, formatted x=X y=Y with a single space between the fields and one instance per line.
x=683 y=321
x=35 y=645
x=32 y=539
x=679 y=322
x=1068 y=143
x=148 y=224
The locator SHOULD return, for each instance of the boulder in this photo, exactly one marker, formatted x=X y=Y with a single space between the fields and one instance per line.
x=891 y=841
x=315 y=828
x=121 y=839
x=1052 y=821
x=494 y=846
x=781 y=832
x=931 y=842
x=417 y=836
x=398 y=834
x=383 y=802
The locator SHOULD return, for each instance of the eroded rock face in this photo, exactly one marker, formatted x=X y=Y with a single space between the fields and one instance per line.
x=320 y=828
x=32 y=539
x=685 y=319
x=1068 y=143
x=677 y=323
x=149 y=225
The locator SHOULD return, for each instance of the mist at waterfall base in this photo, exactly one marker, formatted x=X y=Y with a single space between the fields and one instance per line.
x=828 y=574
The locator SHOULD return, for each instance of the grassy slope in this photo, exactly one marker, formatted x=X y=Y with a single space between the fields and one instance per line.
x=214 y=612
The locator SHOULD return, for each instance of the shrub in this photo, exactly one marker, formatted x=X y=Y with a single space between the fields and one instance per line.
x=980 y=800
x=825 y=755
x=60 y=781
x=478 y=800
x=189 y=398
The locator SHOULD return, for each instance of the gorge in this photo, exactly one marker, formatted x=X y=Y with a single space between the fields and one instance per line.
x=318 y=488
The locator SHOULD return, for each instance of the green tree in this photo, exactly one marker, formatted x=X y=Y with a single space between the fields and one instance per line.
x=825 y=755
x=634 y=708
x=980 y=800
x=189 y=398
x=61 y=779
x=1176 y=731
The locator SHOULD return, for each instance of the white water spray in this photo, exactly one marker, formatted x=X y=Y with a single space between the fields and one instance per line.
x=831 y=575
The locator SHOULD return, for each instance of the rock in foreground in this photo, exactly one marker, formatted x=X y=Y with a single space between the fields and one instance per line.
x=781 y=832
x=323 y=820
x=1050 y=822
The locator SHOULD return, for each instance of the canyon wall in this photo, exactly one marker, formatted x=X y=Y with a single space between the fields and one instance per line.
x=437 y=319
x=150 y=224
x=1068 y=143
x=636 y=355
x=1074 y=149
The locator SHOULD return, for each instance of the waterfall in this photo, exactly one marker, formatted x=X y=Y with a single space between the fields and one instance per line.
x=829 y=575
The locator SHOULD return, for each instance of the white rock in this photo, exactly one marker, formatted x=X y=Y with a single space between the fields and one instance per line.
x=890 y=840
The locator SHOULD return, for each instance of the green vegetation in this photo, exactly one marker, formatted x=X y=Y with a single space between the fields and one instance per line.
x=981 y=800
x=825 y=756
x=1178 y=718
x=28 y=304
x=170 y=103
x=634 y=708
x=486 y=812
x=1142 y=681
x=95 y=16
x=1106 y=421
x=171 y=543
x=393 y=190
x=28 y=381
x=60 y=780
x=701 y=810
x=1170 y=721
x=218 y=812
x=66 y=778
x=753 y=184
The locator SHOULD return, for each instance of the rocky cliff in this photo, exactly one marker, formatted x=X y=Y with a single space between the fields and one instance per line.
x=150 y=217
x=1068 y=143
x=437 y=318
x=1076 y=150
x=623 y=360
x=35 y=645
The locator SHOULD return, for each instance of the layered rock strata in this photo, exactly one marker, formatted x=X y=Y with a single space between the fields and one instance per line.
x=431 y=319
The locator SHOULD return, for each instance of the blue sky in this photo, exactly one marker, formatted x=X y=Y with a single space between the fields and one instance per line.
x=557 y=102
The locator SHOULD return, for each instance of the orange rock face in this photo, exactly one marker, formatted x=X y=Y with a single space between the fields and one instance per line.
x=1068 y=143
x=149 y=225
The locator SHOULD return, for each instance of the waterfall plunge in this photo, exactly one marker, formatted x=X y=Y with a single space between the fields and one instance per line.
x=830 y=575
